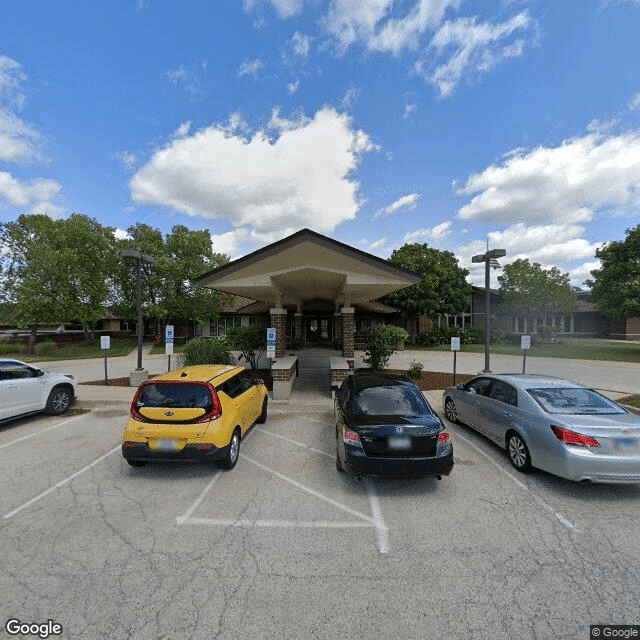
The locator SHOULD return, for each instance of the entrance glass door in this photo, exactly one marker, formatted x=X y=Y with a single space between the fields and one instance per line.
x=318 y=329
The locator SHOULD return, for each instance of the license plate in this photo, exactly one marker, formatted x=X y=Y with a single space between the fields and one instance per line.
x=167 y=445
x=399 y=442
x=628 y=445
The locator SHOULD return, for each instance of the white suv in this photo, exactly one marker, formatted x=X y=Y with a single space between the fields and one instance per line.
x=25 y=389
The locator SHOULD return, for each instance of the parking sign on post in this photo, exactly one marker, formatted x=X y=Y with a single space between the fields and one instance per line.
x=271 y=342
x=455 y=347
x=105 y=345
x=525 y=345
x=168 y=344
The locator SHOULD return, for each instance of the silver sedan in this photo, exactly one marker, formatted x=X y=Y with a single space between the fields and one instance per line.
x=552 y=424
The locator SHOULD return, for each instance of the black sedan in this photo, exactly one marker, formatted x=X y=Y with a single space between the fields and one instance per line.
x=384 y=425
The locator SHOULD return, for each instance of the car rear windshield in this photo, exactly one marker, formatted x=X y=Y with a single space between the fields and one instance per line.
x=574 y=401
x=175 y=396
x=398 y=400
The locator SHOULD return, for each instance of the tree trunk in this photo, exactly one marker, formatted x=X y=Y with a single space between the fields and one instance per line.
x=33 y=339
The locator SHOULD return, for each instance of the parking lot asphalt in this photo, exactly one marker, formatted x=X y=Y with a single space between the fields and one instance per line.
x=284 y=546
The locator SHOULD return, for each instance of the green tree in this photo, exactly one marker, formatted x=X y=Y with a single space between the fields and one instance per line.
x=91 y=272
x=250 y=341
x=443 y=288
x=529 y=290
x=35 y=280
x=170 y=290
x=380 y=342
x=615 y=287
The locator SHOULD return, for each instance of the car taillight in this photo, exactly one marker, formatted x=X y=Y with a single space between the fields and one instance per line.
x=573 y=437
x=350 y=436
x=444 y=437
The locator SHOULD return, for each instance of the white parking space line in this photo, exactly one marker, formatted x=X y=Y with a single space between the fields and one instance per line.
x=313 y=492
x=199 y=499
x=567 y=523
x=376 y=509
x=299 y=444
x=330 y=424
x=37 y=433
x=283 y=524
x=61 y=483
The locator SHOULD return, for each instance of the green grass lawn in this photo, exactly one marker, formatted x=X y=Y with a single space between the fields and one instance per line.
x=49 y=350
x=581 y=350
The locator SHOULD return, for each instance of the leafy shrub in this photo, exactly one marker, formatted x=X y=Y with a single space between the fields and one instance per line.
x=380 y=343
x=205 y=351
x=415 y=370
x=444 y=333
x=250 y=341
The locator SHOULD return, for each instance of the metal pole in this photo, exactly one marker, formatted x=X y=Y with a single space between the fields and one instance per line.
x=487 y=315
x=139 y=304
x=455 y=353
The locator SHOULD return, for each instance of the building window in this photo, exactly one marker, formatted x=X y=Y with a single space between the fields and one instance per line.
x=222 y=325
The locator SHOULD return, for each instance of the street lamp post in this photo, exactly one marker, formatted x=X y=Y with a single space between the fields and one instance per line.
x=140 y=258
x=486 y=258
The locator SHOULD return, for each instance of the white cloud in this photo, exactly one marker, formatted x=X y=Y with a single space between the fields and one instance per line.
x=33 y=197
x=435 y=233
x=128 y=160
x=635 y=101
x=552 y=245
x=120 y=234
x=250 y=68
x=382 y=25
x=293 y=87
x=232 y=243
x=471 y=47
x=284 y=8
x=188 y=80
x=300 y=44
x=568 y=183
x=405 y=202
x=350 y=97
x=301 y=178
x=182 y=130
x=19 y=142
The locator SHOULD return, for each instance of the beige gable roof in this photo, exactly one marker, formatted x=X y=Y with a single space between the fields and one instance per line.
x=306 y=267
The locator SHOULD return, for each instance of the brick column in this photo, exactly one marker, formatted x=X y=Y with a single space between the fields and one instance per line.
x=279 y=322
x=337 y=326
x=298 y=320
x=348 y=334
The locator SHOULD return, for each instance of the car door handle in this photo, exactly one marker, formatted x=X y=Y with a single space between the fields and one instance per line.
x=506 y=413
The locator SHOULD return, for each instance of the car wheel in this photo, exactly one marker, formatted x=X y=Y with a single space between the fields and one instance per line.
x=59 y=400
x=137 y=463
x=518 y=452
x=450 y=411
x=233 y=451
x=262 y=418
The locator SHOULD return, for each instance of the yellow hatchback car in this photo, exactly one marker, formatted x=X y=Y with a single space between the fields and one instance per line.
x=195 y=413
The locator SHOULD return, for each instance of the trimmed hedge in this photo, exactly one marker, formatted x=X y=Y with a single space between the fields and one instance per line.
x=205 y=351
x=444 y=333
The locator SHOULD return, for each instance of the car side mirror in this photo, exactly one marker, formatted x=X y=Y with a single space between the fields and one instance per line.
x=259 y=382
x=460 y=386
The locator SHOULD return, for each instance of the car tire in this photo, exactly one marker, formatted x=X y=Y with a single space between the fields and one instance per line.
x=233 y=451
x=518 y=452
x=450 y=411
x=59 y=400
x=136 y=463
x=339 y=466
x=262 y=418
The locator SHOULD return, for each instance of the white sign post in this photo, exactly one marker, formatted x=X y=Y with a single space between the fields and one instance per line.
x=168 y=344
x=105 y=345
x=455 y=347
x=271 y=342
x=525 y=345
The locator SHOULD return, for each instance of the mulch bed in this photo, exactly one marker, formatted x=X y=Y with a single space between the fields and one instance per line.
x=431 y=380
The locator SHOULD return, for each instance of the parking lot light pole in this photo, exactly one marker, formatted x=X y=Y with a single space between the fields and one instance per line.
x=140 y=258
x=486 y=258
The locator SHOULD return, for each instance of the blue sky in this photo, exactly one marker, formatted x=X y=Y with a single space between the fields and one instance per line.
x=375 y=122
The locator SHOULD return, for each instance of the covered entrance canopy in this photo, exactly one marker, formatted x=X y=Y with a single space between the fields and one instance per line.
x=307 y=272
